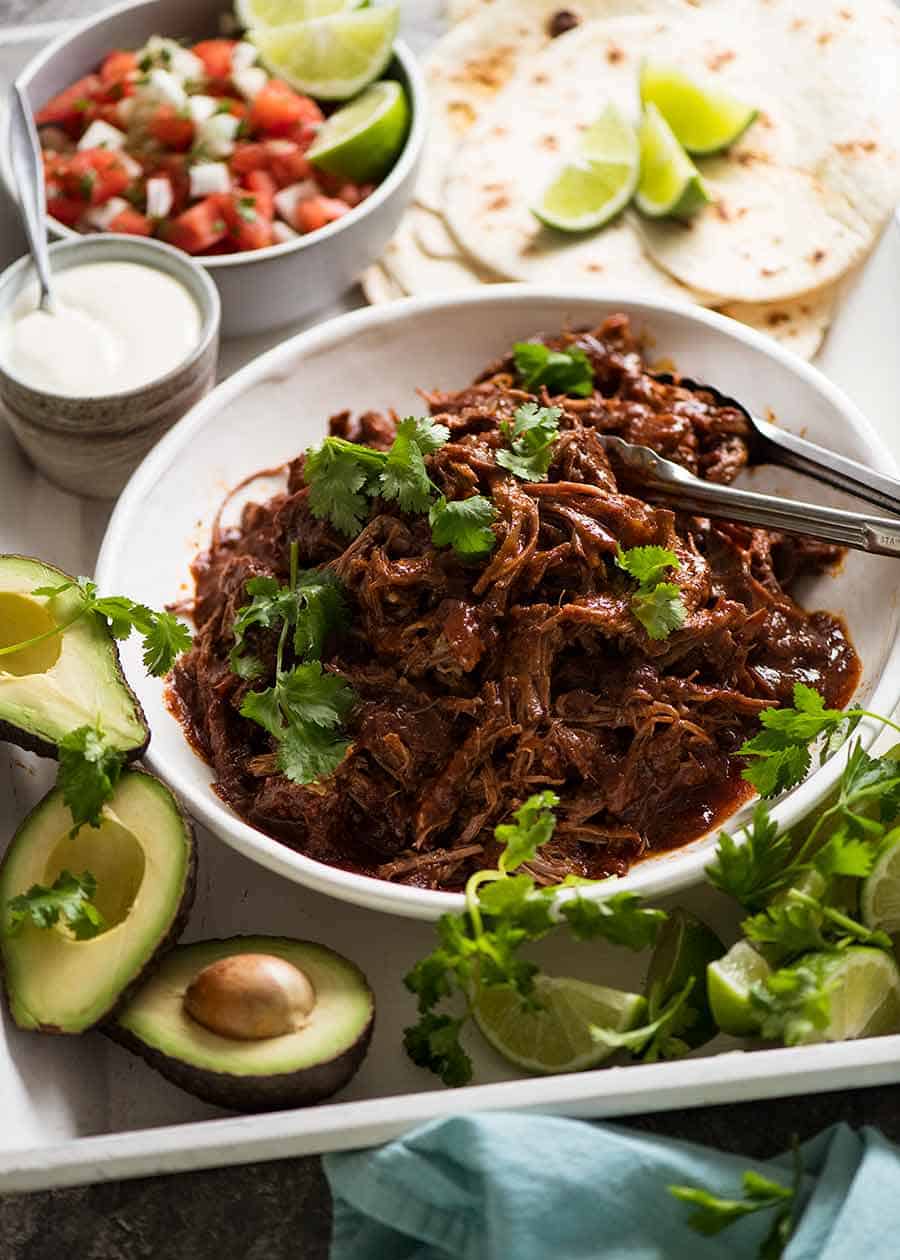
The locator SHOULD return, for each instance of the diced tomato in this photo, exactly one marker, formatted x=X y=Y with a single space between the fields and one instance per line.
x=248 y=228
x=67 y=209
x=172 y=129
x=175 y=166
x=315 y=212
x=118 y=66
x=96 y=175
x=248 y=156
x=278 y=108
x=263 y=188
x=70 y=108
x=286 y=162
x=350 y=194
x=302 y=133
x=197 y=229
x=216 y=56
x=132 y=222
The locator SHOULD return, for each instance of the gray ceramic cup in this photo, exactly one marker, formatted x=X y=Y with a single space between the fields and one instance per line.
x=90 y=446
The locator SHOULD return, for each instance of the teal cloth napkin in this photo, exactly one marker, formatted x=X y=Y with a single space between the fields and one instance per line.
x=524 y=1187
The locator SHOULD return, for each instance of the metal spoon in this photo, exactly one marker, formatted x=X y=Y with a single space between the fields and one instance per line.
x=28 y=169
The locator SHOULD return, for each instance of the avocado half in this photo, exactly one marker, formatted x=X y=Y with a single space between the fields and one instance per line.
x=68 y=680
x=144 y=860
x=295 y=1069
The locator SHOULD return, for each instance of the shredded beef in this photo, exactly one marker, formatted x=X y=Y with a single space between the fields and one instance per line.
x=480 y=684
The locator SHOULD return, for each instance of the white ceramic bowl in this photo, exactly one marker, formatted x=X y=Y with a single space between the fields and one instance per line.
x=264 y=288
x=375 y=358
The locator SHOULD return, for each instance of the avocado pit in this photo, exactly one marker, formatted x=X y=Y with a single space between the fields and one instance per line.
x=250 y=997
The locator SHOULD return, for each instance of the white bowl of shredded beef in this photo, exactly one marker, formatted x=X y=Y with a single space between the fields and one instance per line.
x=471 y=683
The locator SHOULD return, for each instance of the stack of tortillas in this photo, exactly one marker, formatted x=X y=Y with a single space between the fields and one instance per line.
x=796 y=204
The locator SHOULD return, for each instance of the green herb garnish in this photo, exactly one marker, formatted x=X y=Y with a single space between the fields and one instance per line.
x=89 y=769
x=464 y=525
x=531 y=438
x=657 y=604
x=68 y=898
x=312 y=606
x=561 y=372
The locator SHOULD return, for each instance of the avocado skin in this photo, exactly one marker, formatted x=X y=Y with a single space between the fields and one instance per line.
x=252 y=1093
x=171 y=938
x=12 y=734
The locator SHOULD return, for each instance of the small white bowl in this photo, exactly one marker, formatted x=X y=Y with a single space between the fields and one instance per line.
x=90 y=446
x=265 y=288
x=280 y=403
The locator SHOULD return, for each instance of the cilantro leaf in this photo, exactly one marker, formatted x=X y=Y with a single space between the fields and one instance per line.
x=405 y=477
x=792 y=1004
x=651 y=1039
x=464 y=525
x=531 y=438
x=307 y=753
x=302 y=712
x=533 y=826
x=433 y=1043
x=69 y=899
x=656 y=604
x=165 y=640
x=429 y=436
x=322 y=610
x=620 y=919
x=714 y=1214
x=336 y=478
x=782 y=746
x=754 y=870
x=307 y=694
x=562 y=372
x=89 y=769
x=314 y=607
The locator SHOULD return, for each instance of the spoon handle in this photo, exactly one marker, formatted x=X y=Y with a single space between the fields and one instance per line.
x=28 y=169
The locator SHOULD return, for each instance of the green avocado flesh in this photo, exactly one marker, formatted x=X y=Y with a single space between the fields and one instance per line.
x=293 y=1069
x=142 y=857
x=70 y=679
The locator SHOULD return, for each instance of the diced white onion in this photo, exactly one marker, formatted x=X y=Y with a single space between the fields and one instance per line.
x=164 y=87
x=281 y=148
x=250 y=81
x=169 y=54
x=100 y=135
x=125 y=109
x=208 y=178
x=243 y=55
x=201 y=108
x=216 y=136
x=132 y=168
x=287 y=199
x=101 y=217
x=283 y=232
x=159 y=197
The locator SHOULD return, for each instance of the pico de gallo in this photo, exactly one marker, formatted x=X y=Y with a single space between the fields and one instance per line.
x=196 y=145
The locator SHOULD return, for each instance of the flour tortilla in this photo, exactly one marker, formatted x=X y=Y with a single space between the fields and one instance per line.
x=516 y=150
x=378 y=286
x=478 y=58
x=431 y=233
x=799 y=325
x=418 y=272
x=804 y=194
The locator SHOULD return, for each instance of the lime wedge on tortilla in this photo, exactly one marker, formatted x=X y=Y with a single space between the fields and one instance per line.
x=331 y=58
x=670 y=185
x=864 y=984
x=703 y=121
x=598 y=182
x=253 y=13
x=728 y=983
x=880 y=896
x=360 y=141
x=556 y=1037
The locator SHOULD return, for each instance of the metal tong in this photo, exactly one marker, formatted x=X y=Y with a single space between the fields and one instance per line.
x=664 y=481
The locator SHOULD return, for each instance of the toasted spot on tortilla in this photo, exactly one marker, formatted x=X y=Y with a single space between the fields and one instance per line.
x=715 y=61
x=817 y=256
x=550 y=142
x=614 y=53
x=774 y=318
x=825 y=37
x=461 y=115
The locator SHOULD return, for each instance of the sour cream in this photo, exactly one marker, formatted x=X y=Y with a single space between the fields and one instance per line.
x=118 y=326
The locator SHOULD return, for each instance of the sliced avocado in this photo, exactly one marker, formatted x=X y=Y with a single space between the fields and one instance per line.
x=143 y=859
x=263 y=1043
x=69 y=679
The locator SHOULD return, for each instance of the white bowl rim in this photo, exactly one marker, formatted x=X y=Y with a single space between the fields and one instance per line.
x=414 y=142
x=674 y=870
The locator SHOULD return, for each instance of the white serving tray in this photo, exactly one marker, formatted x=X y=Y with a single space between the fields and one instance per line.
x=77 y=1110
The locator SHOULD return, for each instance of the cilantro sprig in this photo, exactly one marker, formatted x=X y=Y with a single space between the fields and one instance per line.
x=713 y=1213
x=343 y=476
x=305 y=708
x=530 y=438
x=69 y=898
x=89 y=769
x=657 y=603
x=164 y=636
x=559 y=371
x=479 y=949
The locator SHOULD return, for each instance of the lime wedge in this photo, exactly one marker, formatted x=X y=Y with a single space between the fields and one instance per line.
x=865 y=993
x=361 y=141
x=599 y=182
x=331 y=58
x=728 y=984
x=670 y=184
x=252 y=13
x=556 y=1038
x=684 y=949
x=880 y=896
x=704 y=121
